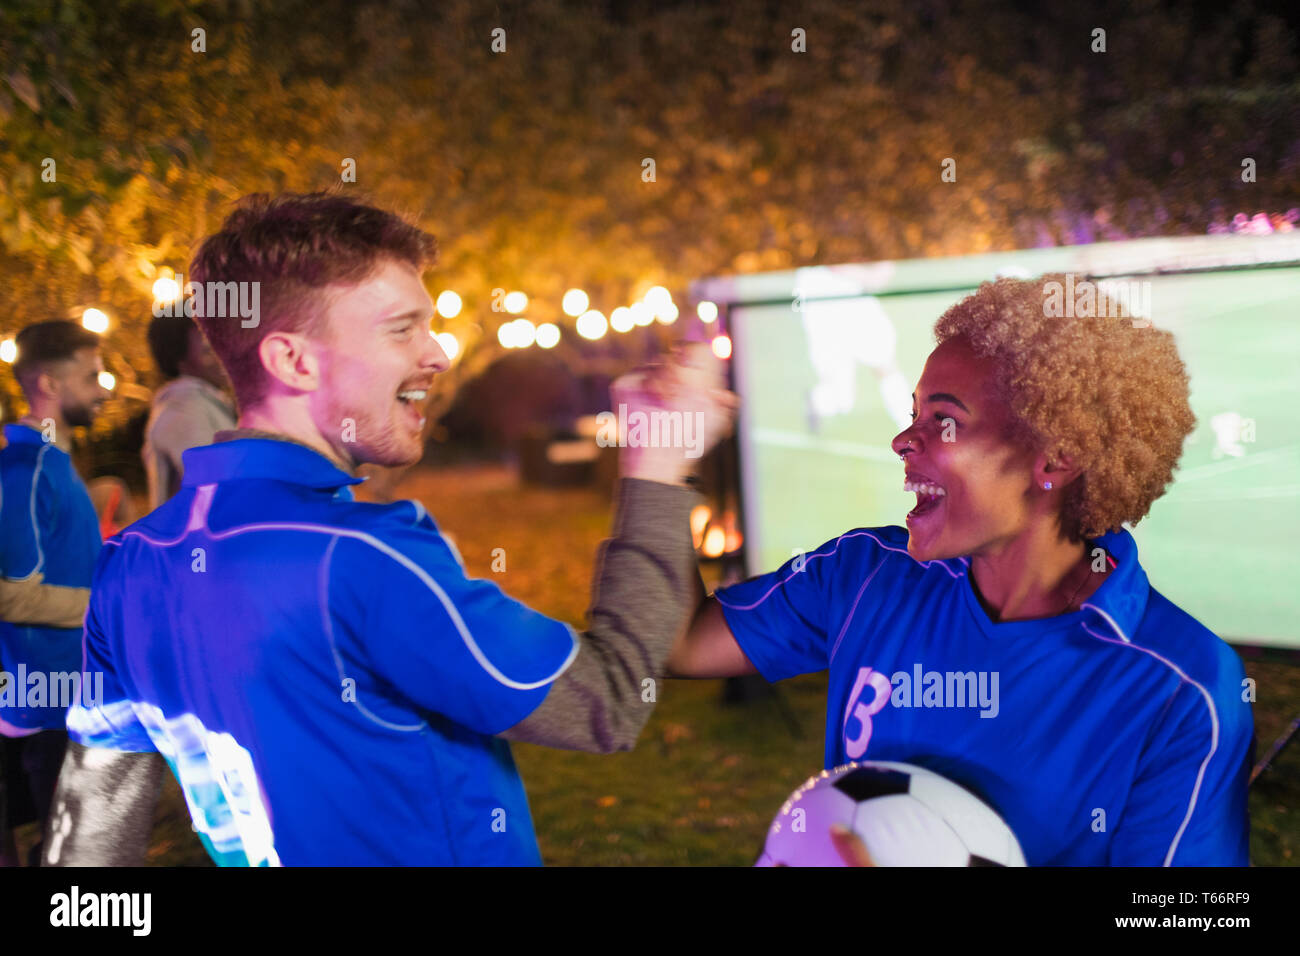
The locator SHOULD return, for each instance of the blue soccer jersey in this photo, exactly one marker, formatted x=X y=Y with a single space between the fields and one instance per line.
x=48 y=526
x=1116 y=734
x=320 y=674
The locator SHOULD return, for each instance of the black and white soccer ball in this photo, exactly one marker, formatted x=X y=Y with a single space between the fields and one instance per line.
x=905 y=816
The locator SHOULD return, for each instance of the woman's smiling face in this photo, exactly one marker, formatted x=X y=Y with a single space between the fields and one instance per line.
x=958 y=442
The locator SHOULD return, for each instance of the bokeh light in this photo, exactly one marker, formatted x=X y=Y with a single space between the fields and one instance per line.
x=95 y=321
x=620 y=320
x=450 y=344
x=658 y=298
x=592 y=324
x=548 y=335
x=448 y=304
x=525 y=333
x=575 y=302
x=700 y=516
x=166 y=290
x=642 y=314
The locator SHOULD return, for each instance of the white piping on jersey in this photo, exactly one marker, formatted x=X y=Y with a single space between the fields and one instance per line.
x=328 y=623
x=455 y=551
x=199 y=508
x=36 y=528
x=1209 y=703
x=817 y=554
x=419 y=510
x=1109 y=620
x=848 y=620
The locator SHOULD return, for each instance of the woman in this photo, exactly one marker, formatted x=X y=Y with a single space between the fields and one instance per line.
x=1008 y=638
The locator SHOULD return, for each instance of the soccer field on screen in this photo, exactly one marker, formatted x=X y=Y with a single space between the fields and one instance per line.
x=825 y=387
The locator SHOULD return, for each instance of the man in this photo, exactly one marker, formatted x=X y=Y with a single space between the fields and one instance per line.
x=326 y=684
x=49 y=541
x=189 y=409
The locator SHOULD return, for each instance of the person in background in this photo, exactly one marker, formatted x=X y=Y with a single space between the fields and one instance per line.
x=49 y=542
x=189 y=409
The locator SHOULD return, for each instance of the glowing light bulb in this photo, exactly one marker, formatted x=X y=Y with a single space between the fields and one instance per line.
x=592 y=324
x=658 y=298
x=575 y=302
x=448 y=304
x=450 y=344
x=95 y=321
x=620 y=320
x=166 y=290
x=715 y=542
x=525 y=333
x=548 y=335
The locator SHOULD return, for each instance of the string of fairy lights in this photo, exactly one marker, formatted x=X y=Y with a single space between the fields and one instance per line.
x=714 y=534
x=655 y=306
x=519 y=333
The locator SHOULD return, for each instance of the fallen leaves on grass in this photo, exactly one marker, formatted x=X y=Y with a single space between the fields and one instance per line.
x=672 y=733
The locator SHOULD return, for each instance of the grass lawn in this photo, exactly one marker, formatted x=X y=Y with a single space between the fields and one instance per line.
x=706 y=778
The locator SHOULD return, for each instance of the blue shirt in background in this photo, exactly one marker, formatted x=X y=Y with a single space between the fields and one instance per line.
x=47 y=525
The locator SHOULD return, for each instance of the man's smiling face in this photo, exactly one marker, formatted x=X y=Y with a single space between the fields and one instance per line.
x=985 y=482
x=377 y=363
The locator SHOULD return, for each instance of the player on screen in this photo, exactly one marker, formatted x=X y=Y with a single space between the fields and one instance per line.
x=321 y=676
x=1008 y=637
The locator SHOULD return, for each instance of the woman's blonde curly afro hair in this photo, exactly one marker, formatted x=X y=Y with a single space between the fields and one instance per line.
x=1112 y=396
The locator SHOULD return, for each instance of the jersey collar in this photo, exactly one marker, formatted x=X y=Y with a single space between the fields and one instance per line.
x=1119 y=603
x=277 y=459
x=1122 y=597
x=19 y=434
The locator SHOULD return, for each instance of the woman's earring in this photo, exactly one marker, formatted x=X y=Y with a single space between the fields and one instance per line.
x=1047 y=486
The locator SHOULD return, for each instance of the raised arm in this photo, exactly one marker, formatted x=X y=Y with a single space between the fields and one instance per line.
x=642 y=595
x=647 y=582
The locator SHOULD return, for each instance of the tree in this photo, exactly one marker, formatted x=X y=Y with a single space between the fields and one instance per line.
x=528 y=162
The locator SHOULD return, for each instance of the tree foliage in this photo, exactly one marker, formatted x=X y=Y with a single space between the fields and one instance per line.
x=528 y=163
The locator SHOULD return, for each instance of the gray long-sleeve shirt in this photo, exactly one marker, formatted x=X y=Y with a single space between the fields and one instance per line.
x=643 y=594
